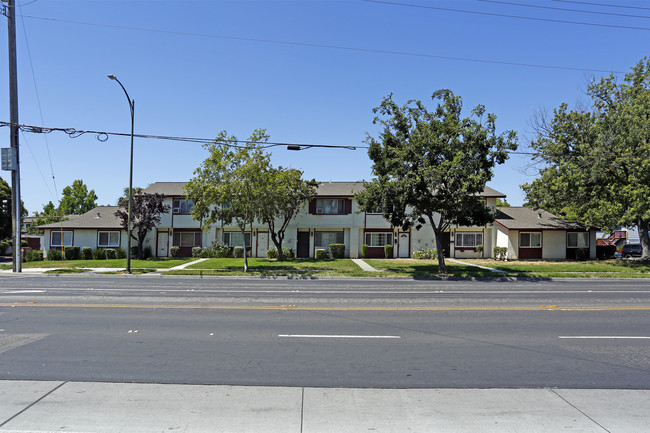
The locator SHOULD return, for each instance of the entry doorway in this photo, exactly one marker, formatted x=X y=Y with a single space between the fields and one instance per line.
x=262 y=243
x=404 y=245
x=163 y=244
x=303 y=245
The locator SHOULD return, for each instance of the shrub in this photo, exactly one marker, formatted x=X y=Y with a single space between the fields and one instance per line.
x=337 y=250
x=3 y=247
x=72 y=253
x=54 y=254
x=288 y=253
x=120 y=253
x=147 y=253
x=174 y=251
x=479 y=250
x=86 y=253
x=196 y=252
x=111 y=253
x=582 y=254
x=388 y=251
x=134 y=251
x=364 y=250
x=221 y=250
x=321 y=254
x=34 y=256
x=500 y=253
x=425 y=254
x=238 y=252
x=271 y=253
x=99 y=254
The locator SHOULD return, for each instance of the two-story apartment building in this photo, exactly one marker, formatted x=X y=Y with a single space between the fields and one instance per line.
x=333 y=216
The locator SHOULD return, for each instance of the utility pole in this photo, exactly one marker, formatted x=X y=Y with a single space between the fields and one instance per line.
x=10 y=13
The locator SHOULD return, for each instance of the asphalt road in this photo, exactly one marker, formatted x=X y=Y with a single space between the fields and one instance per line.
x=327 y=333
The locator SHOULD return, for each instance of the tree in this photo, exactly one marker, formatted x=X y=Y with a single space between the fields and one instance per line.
x=77 y=199
x=49 y=215
x=125 y=194
x=5 y=219
x=502 y=203
x=433 y=166
x=285 y=194
x=146 y=210
x=229 y=184
x=595 y=160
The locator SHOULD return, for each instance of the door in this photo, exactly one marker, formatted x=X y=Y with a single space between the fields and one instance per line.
x=163 y=244
x=445 y=239
x=303 y=245
x=262 y=243
x=404 y=245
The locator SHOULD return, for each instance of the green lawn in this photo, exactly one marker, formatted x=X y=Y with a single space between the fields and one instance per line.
x=154 y=263
x=258 y=266
x=425 y=268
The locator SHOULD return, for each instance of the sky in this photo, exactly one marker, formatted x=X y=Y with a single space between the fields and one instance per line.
x=309 y=72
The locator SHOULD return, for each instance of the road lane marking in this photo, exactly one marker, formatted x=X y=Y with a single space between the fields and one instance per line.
x=337 y=336
x=604 y=337
x=35 y=304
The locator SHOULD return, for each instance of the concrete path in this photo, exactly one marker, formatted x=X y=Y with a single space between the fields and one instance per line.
x=184 y=265
x=476 y=266
x=364 y=266
x=30 y=406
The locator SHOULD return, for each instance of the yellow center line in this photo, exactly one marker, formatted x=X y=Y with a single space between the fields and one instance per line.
x=315 y=308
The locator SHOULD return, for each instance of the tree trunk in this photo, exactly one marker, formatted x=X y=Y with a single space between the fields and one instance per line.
x=277 y=241
x=442 y=267
x=642 y=226
x=243 y=232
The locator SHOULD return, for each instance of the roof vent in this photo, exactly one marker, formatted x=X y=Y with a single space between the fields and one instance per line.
x=99 y=215
x=539 y=215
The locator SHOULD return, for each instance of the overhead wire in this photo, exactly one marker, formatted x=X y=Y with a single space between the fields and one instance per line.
x=565 y=9
x=40 y=111
x=328 y=46
x=609 y=5
x=494 y=14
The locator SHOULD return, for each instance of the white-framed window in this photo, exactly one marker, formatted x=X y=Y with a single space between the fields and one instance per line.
x=530 y=240
x=577 y=240
x=324 y=239
x=182 y=206
x=379 y=239
x=330 y=206
x=234 y=239
x=57 y=241
x=187 y=239
x=108 y=239
x=469 y=239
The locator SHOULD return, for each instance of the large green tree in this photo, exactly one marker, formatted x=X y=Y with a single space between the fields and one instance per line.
x=5 y=219
x=432 y=166
x=595 y=161
x=146 y=210
x=285 y=194
x=229 y=185
x=77 y=199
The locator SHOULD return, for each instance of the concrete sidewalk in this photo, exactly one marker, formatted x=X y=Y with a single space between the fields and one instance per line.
x=30 y=406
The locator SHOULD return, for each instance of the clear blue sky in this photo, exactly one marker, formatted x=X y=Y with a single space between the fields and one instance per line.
x=306 y=71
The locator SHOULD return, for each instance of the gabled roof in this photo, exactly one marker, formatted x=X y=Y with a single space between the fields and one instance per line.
x=101 y=217
x=340 y=189
x=523 y=218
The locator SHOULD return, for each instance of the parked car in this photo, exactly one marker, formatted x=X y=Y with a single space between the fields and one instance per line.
x=630 y=250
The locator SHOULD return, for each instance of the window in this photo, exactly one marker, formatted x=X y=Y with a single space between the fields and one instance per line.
x=108 y=239
x=577 y=240
x=379 y=239
x=183 y=207
x=468 y=239
x=234 y=239
x=187 y=239
x=323 y=239
x=530 y=240
x=329 y=206
x=55 y=239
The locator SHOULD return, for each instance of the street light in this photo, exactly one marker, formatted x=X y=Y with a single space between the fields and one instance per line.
x=128 y=223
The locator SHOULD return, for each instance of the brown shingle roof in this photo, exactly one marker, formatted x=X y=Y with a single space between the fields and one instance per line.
x=101 y=217
x=522 y=218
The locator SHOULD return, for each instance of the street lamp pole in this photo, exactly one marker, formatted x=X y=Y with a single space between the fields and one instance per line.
x=128 y=225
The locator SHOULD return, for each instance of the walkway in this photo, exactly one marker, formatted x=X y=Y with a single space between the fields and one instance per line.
x=40 y=406
x=364 y=266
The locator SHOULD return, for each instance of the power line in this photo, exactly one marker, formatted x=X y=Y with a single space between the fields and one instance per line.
x=103 y=136
x=564 y=9
x=327 y=46
x=550 y=20
x=603 y=4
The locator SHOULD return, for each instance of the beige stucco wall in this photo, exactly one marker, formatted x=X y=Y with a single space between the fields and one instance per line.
x=553 y=245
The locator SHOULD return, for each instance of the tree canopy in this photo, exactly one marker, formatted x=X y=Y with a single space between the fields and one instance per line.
x=5 y=220
x=595 y=161
x=77 y=199
x=146 y=210
x=432 y=166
